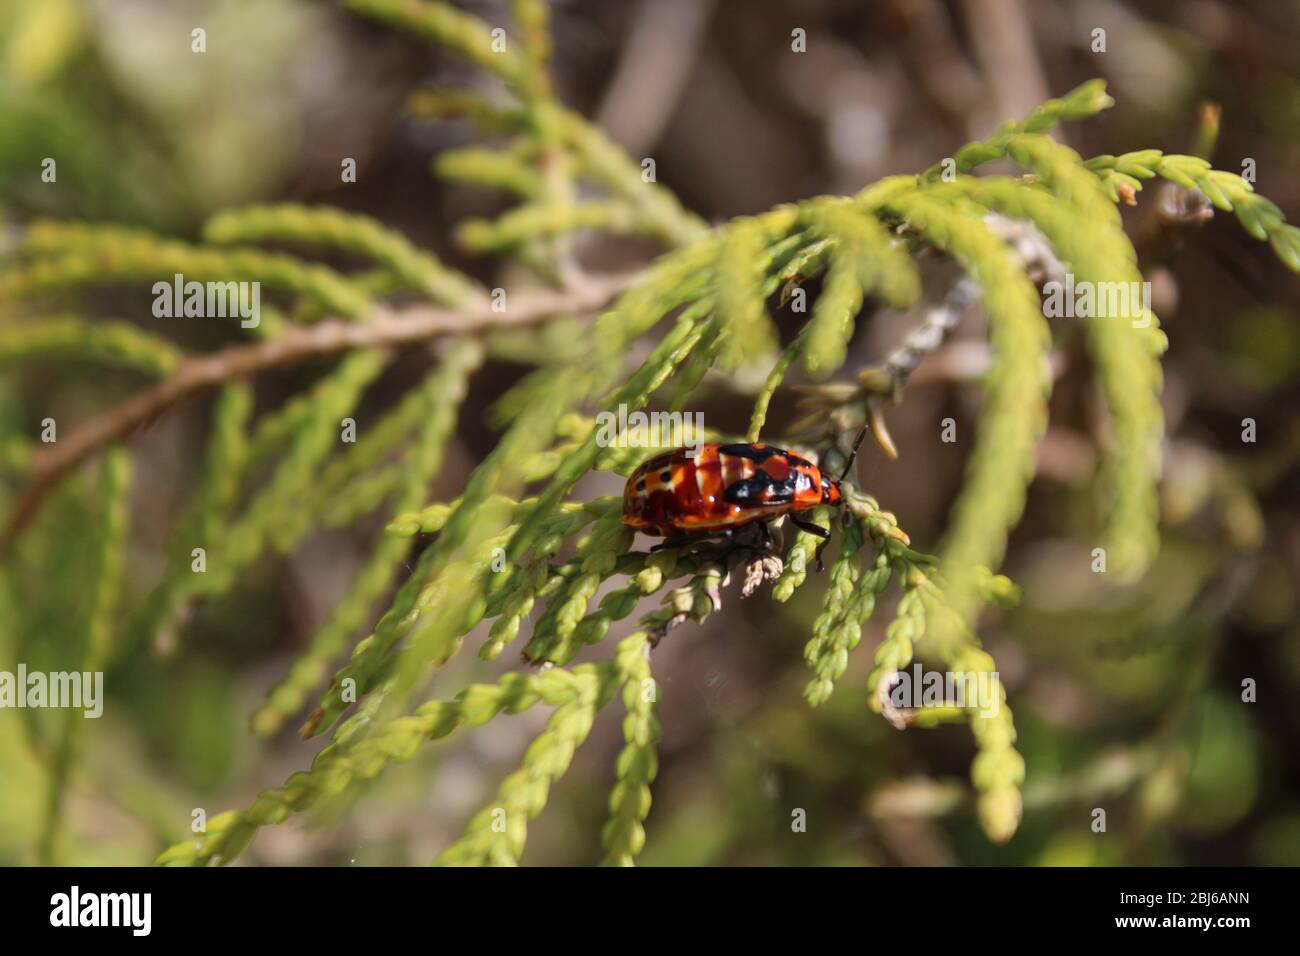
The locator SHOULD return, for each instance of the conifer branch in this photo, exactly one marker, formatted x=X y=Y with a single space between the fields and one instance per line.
x=1002 y=462
x=1122 y=177
x=506 y=558
x=387 y=328
x=299 y=225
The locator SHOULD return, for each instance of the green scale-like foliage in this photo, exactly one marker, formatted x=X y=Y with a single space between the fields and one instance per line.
x=529 y=562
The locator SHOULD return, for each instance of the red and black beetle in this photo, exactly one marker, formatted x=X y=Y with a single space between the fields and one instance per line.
x=723 y=487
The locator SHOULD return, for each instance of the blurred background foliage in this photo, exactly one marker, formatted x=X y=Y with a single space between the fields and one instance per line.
x=1128 y=699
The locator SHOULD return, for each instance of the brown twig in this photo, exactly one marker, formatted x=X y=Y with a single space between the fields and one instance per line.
x=386 y=328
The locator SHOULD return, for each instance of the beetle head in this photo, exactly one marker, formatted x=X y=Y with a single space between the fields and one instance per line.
x=831 y=491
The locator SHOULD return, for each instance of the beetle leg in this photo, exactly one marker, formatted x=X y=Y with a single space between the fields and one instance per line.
x=818 y=555
x=683 y=540
x=669 y=543
x=814 y=529
x=810 y=527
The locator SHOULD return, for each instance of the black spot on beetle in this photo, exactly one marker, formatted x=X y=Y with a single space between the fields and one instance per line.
x=759 y=490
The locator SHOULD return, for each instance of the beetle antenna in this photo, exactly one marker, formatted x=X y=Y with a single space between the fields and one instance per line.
x=857 y=443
